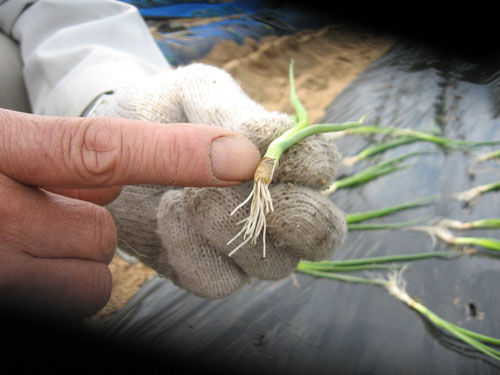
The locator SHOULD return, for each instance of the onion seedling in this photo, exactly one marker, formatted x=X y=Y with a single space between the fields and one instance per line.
x=471 y=194
x=445 y=235
x=488 y=156
x=371 y=173
x=419 y=136
x=329 y=265
x=362 y=216
x=376 y=149
x=303 y=265
x=386 y=226
x=396 y=287
x=476 y=224
x=262 y=203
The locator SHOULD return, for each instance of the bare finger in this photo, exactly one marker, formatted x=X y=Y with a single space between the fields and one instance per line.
x=47 y=225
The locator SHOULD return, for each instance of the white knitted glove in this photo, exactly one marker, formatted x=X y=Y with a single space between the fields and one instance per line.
x=182 y=233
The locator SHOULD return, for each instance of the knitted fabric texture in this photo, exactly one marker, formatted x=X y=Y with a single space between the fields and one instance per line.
x=313 y=162
x=208 y=210
x=182 y=233
x=198 y=266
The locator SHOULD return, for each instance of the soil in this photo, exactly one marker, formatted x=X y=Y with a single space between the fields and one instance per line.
x=326 y=61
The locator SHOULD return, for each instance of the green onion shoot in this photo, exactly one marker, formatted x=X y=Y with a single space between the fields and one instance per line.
x=376 y=149
x=331 y=265
x=489 y=156
x=262 y=203
x=371 y=173
x=448 y=143
x=363 y=216
x=446 y=236
x=396 y=286
x=386 y=226
x=491 y=223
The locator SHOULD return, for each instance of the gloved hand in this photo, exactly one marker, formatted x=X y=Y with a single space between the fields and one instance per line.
x=182 y=233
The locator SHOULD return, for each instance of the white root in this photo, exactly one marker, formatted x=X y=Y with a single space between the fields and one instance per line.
x=255 y=223
x=262 y=204
x=439 y=232
x=396 y=286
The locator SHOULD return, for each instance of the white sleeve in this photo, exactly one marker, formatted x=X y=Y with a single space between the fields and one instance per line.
x=75 y=50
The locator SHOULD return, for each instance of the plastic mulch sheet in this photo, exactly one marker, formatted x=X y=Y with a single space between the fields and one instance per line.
x=305 y=325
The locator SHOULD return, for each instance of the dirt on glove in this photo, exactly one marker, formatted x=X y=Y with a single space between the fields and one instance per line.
x=326 y=61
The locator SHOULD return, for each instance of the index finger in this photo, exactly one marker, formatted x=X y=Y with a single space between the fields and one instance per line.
x=101 y=152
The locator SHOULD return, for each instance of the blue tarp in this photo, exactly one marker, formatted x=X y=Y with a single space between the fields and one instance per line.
x=182 y=47
x=197 y=9
x=235 y=21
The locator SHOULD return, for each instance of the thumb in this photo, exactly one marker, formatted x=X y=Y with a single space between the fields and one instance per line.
x=101 y=152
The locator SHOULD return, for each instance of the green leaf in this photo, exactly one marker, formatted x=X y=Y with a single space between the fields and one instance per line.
x=362 y=216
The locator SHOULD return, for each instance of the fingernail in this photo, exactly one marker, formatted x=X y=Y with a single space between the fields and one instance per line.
x=233 y=158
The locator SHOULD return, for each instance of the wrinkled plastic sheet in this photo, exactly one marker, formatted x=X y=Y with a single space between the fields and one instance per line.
x=182 y=47
x=198 y=9
x=236 y=21
x=306 y=325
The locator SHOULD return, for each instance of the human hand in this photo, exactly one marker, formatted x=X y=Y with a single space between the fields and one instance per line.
x=183 y=233
x=55 y=238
